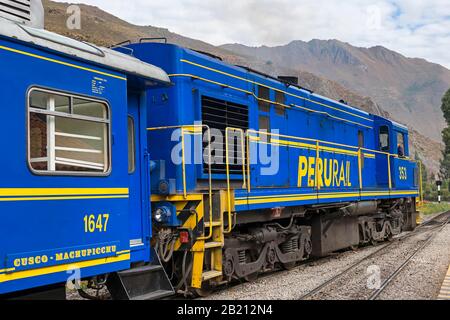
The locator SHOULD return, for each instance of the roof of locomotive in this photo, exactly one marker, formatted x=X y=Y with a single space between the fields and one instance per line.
x=278 y=82
x=256 y=76
x=290 y=86
x=82 y=50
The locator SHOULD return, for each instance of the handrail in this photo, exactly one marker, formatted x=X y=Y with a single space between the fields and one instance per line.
x=183 y=127
x=317 y=146
x=250 y=131
x=227 y=161
x=420 y=183
x=389 y=172
x=316 y=176
x=248 y=162
x=360 y=169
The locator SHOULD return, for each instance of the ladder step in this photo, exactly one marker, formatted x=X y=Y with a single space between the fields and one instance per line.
x=214 y=224
x=155 y=295
x=210 y=245
x=141 y=270
x=211 y=275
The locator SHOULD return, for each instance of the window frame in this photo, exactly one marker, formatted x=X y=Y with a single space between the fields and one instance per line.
x=130 y=117
x=71 y=96
x=403 y=135
x=388 y=133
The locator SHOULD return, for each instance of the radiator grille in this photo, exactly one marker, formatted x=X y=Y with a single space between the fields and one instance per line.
x=220 y=114
x=17 y=10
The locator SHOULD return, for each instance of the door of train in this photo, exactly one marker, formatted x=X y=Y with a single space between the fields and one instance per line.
x=137 y=180
x=383 y=143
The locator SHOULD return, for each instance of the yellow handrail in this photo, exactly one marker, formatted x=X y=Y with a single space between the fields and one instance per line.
x=183 y=127
x=420 y=183
x=389 y=172
x=183 y=164
x=248 y=163
x=316 y=176
x=317 y=142
x=360 y=170
x=227 y=161
x=251 y=131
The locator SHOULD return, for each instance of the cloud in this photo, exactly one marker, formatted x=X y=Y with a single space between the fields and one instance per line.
x=419 y=28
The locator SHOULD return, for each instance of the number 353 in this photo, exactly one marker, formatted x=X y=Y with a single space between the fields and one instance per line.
x=403 y=173
x=96 y=223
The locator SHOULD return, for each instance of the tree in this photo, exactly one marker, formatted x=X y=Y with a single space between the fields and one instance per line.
x=445 y=163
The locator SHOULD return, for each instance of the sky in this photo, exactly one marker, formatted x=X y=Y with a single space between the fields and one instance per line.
x=415 y=28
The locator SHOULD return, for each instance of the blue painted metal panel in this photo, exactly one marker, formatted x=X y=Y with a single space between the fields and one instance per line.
x=43 y=232
x=308 y=116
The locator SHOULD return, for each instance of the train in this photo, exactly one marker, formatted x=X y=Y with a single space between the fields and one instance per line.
x=154 y=170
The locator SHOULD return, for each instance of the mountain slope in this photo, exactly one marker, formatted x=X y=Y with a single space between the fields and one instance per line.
x=104 y=29
x=409 y=89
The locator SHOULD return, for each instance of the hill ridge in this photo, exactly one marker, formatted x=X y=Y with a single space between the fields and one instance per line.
x=102 y=28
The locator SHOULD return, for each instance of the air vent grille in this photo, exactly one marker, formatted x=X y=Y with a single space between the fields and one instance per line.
x=17 y=10
x=220 y=114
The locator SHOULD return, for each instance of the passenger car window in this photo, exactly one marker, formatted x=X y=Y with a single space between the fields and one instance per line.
x=384 y=139
x=67 y=134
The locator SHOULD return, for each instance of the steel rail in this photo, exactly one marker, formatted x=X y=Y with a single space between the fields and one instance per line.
x=353 y=266
x=394 y=275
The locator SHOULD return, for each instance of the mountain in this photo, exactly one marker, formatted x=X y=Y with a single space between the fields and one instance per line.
x=409 y=89
x=102 y=28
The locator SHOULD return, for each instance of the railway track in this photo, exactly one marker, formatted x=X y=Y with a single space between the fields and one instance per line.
x=432 y=226
x=393 y=275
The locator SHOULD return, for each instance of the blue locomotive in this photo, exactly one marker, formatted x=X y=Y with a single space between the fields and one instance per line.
x=153 y=169
x=268 y=173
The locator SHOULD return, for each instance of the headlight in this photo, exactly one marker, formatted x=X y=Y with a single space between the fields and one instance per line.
x=161 y=214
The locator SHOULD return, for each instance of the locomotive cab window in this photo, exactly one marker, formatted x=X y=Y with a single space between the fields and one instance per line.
x=67 y=134
x=384 y=139
x=401 y=145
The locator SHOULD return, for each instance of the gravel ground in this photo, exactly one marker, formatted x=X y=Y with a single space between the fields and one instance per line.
x=423 y=277
x=354 y=285
x=420 y=280
x=291 y=285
